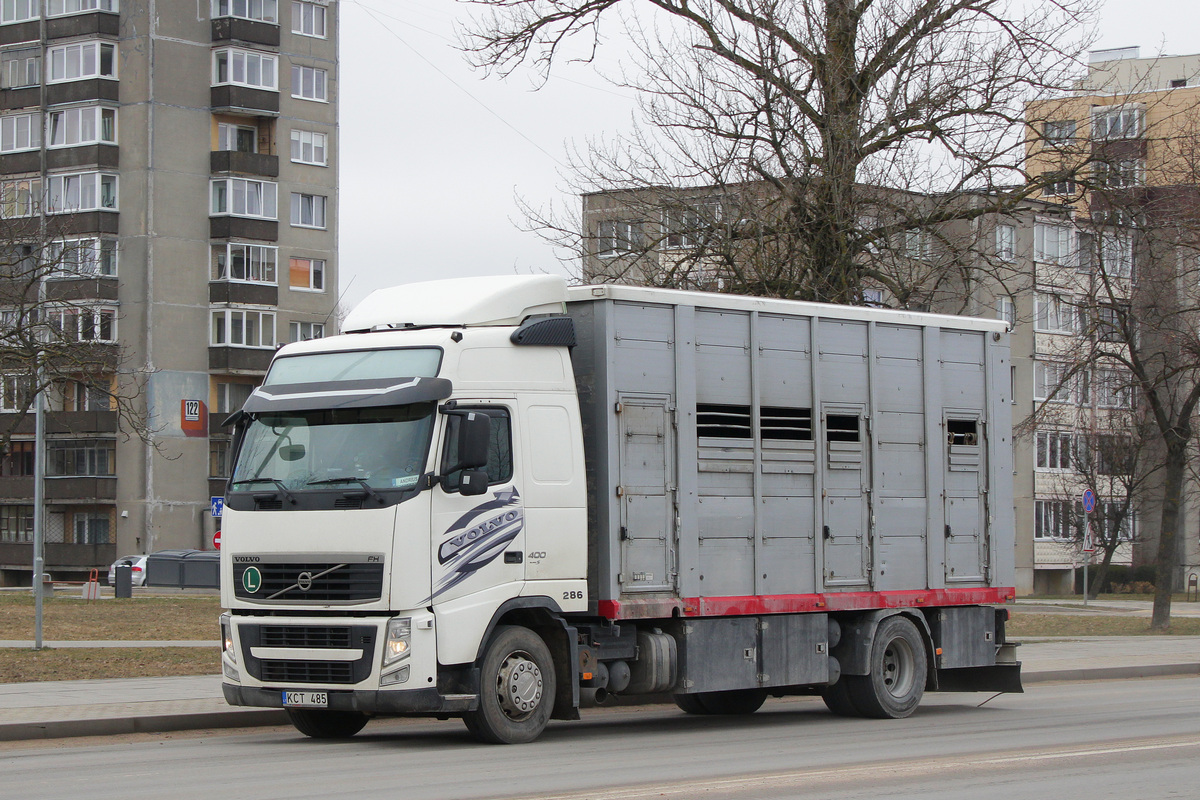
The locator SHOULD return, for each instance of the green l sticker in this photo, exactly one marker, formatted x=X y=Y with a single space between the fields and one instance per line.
x=252 y=579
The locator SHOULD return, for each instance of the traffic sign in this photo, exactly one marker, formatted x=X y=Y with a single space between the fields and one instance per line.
x=217 y=505
x=217 y=540
x=1089 y=501
x=1089 y=539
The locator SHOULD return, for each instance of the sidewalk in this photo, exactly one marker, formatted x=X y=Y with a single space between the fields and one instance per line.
x=143 y=705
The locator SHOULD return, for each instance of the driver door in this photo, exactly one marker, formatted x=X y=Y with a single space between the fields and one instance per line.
x=478 y=541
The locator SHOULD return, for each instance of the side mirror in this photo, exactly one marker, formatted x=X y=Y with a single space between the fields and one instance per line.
x=474 y=439
x=472 y=482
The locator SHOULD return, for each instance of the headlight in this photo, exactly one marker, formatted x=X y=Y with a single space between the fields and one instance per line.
x=399 y=637
x=227 y=641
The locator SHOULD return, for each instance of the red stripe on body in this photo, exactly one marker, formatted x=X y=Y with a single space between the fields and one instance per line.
x=657 y=608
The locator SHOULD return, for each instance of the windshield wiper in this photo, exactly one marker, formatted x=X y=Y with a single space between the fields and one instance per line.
x=291 y=497
x=348 y=479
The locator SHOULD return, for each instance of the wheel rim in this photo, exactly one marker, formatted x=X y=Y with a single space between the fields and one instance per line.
x=899 y=668
x=519 y=685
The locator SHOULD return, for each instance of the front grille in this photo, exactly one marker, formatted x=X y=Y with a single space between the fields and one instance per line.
x=348 y=502
x=274 y=671
x=267 y=504
x=324 y=582
x=311 y=636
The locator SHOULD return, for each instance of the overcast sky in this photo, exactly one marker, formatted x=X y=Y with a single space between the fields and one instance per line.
x=433 y=156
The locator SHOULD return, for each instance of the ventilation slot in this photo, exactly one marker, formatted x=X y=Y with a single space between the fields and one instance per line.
x=786 y=424
x=723 y=422
x=842 y=428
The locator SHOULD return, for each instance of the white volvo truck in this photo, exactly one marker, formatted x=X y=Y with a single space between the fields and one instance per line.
x=501 y=499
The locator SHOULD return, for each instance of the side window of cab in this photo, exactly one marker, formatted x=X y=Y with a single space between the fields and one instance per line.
x=500 y=461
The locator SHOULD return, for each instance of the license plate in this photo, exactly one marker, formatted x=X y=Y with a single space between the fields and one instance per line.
x=306 y=699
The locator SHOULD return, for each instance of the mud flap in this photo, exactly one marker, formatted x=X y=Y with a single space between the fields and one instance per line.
x=999 y=678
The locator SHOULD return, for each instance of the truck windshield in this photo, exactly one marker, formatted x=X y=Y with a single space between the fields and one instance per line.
x=380 y=448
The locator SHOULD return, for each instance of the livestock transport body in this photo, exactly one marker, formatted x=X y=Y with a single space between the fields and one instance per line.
x=503 y=499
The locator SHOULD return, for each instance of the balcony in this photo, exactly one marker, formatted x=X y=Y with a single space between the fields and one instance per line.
x=239 y=360
x=19 y=163
x=72 y=423
x=20 y=32
x=252 y=294
x=60 y=557
x=266 y=230
x=24 y=97
x=105 y=156
x=249 y=31
x=103 y=23
x=79 y=489
x=81 y=289
x=82 y=91
x=82 y=222
x=244 y=163
x=244 y=100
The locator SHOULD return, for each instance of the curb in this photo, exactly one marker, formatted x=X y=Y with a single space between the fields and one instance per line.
x=270 y=717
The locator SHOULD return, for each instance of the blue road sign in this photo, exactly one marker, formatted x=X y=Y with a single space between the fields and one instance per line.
x=1089 y=501
x=218 y=505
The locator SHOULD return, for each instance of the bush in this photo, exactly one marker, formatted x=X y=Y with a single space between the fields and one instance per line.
x=1121 y=579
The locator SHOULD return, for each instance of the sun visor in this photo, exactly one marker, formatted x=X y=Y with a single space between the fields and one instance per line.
x=347 y=394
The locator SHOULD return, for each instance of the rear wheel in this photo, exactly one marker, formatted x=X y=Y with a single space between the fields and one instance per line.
x=690 y=703
x=327 y=724
x=896 y=683
x=838 y=700
x=517 y=686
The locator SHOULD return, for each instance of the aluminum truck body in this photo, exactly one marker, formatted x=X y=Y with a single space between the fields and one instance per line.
x=502 y=499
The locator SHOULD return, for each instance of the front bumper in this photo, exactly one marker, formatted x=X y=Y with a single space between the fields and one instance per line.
x=411 y=702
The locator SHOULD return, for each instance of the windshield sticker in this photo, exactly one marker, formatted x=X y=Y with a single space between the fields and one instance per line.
x=478 y=537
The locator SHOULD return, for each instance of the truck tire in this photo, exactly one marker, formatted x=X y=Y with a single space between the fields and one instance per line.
x=735 y=701
x=517 y=686
x=838 y=700
x=327 y=724
x=899 y=668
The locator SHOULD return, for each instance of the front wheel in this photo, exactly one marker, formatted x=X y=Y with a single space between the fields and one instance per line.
x=327 y=724
x=732 y=702
x=517 y=686
x=896 y=683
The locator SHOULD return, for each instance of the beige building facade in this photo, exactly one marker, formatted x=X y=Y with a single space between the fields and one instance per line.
x=193 y=148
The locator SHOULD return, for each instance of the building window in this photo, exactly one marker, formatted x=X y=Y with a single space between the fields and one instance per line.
x=15 y=392
x=218 y=458
x=19 y=461
x=1110 y=319
x=20 y=132
x=916 y=243
x=87 y=191
x=89 y=257
x=1053 y=314
x=309 y=83
x=1053 y=449
x=76 y=126
x=1051 y=243
x=1058 y=184
x=84 y=324
x=16 y=524
x=20 y=197
x=1051 y=384
x=237 y=138
x=73 y=62
x=86 y=396
x=58 y=8
x=1116 y=255
x=252 y=263
x=308 y=210
x=308 y=147
x=307 y=274
x=1006 y=242
x=20 y=68
x=18 y=10
x=81 y=457
x=1120 y=174
x=92 y=527
x=1054 y=519
x=1059 y=132
x=308 y=19
x=236 y=67
x=1112 y=389
x=232 y=396
x=303 y=331
x=260 y=10
x=615 y=237
x=1117 y=122
x=688 y=227
x=235 y=327
x=1006 y=310
x=241 y=197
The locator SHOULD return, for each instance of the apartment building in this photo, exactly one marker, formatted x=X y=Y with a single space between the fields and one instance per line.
x=184 y=154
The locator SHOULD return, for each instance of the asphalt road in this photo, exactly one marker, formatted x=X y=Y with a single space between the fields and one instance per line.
x=1117 y=739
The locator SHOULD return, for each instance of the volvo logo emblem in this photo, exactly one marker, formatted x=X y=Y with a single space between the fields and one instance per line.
x=304 y=581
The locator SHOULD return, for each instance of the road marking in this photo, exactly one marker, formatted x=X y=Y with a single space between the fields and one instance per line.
x=873 y=771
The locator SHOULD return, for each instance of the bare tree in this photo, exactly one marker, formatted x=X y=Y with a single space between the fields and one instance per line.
x=768 y=123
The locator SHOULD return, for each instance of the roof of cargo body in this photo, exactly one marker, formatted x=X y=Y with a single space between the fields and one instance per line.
x=737 y=302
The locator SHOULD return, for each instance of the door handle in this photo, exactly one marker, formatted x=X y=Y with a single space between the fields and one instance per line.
x=825 y=532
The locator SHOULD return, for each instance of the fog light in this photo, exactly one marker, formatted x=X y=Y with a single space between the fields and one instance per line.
x=399 y=635
x=230 y=672
x=399 y=676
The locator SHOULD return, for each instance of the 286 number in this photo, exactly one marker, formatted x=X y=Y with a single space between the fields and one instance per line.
x=573 y=595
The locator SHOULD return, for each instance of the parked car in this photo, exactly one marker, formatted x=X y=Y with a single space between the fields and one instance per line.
x=137 y=565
